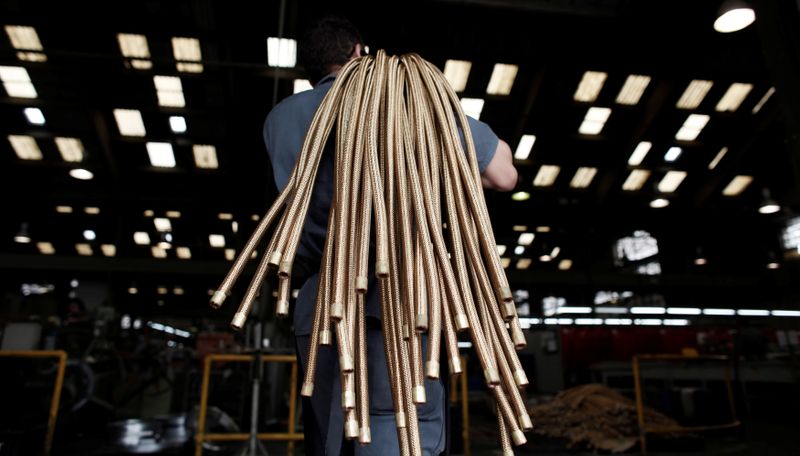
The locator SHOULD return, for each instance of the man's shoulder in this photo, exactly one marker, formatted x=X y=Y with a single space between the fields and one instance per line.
x=299 y=104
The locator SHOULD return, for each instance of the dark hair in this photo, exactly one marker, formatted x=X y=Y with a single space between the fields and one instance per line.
x=329 y=41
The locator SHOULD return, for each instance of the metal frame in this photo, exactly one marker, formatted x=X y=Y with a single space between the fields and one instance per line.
x=644 y=430
x=56 y=399
x=290 y=436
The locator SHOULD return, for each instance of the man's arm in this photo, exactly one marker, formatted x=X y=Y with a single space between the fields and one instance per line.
x=500 y=174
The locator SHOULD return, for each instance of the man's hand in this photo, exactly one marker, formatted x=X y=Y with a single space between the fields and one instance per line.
x=500 y=174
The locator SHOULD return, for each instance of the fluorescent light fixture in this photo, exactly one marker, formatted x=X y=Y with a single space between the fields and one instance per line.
x=235 y=227
x=636 y=180
x=25 y=147
x=594 y=121
x=141 y=64
x=501 y=249
x=694 y=94
x=524 y=147
x=583 y=177
x=205 y=156
x=17 y=82
x=753 y=312
x=670 y=182
x=134 y=46
x=32 y=56
x=64 y=209
x=158 y=252
x=502 y=79
x=230 y=254
x=301 y=85
x=520 y=196
x=648 y=322
x=590 y=86
x=35 y=116
x=71 y=149
x=778 y=313
x=735 y=19
x=546 y=176
x=773 y=265
x=162 y=224
x=91 y=210
x=45 y=248
x=83 y=249
x=148 y=213
x=672 y=154
x=734 y=97
x=639 y=153
x=457 y=72
x=676 y=322
x=129 y=122
x=737 y=185
x=611 y=310
x=161 y=154
x=692 y=127
x=659 y=203
x=464 y=344
x=186 y=49
x=565 y=264
x=183 y=253
x=216 y=240
x=520 y=228
x=633 y=89
x=472 y=107
x=81 y=174
x=177 y=124
x=648 y=310
x=554 y=253
x=717 y=158
x=564 y=321
x=551 y=321
x=281 y=52
x=526 y=238
x=173 y=214
x=178 y=291
x=109 y=250
x=225 y=216
x=588 y=321
x=24 y=37
x=506 y=262
x=523 y=263
x=763 y=100
x=141 y=238
x=519 y=250
x=684 y=311
x=543 y=229
x=169 y=91
x=618 y=321
x=700 y=261
x=89 y=235
x=574 y=310
x=132 y=289
x=718 y=312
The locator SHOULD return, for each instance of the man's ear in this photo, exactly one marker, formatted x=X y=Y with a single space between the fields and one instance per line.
x=356 y=51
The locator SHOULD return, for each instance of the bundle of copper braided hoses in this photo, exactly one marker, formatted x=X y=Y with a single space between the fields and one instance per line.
x=402 y=165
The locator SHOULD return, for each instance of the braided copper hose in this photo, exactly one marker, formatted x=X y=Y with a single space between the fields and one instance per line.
x=505 y=438
x=517 y=436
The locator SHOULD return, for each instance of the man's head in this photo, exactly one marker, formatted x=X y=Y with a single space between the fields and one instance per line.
x=327 y=45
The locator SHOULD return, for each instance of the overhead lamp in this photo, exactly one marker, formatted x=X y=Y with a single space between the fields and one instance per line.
x=81 y=174
x=700 y=259
x=658 y=203
x=734 y=15
x=22 y=236
x=768 y=205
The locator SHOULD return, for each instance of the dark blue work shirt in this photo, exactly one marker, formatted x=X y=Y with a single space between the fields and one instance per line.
x=284 y=132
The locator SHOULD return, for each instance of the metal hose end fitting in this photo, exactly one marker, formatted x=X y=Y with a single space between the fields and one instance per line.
x=282 y=309
x=432 y=370
x=217 y=299
x=238 y=320
x=419 y=394
x=325 y=337
x=275 y=258
x=525 y=422
x=520 y=378
x=462 y=324
x=422 y=322
x=285 y=269
x=364 y=436
x=351 y=430
x=361 y=284
x=518 y=437
x=307 y=390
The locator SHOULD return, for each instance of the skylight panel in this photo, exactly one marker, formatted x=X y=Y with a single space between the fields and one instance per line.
x=639 y=153
x=594 y=121
x=502 y=79
x=35 y=116
x=734 y=97
x=694 y=94
x=692 y=127
x=25 y=147
x=672 y=154
x=636 y=180
x=71 y=149
x=129 y=122
x=169 y=91
x=526 y=238
x=737 y=185
x=472 y=107
x=590 y=86
x=670 y=182
x=583 y=177
x=546 y=176
x=633 y=89
x=524 y=147
x=177 y=124
x=281 y=52
x=161 y=154
x=205 y=156
x=17 y=83
x=457 y=72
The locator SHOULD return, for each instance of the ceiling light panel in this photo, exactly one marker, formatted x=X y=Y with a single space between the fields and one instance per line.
x=162 y=224
x=636 y=180
x=546 y=176
x=216 y=240
x=71 y=149
x=186 y=49
x=633 y=89
x=177 y=124
x=35 y=116
x=692 y=127
x=109 y=250
x=472 y=107
x=184 y=253
x=16 y=82
x=594 y=121
x=205 y=156
x=45 y=248
x=161 y=154
x=25 y=147
x=457 y=72
x=301 y=85
x=523 y=263
x=83 y=249
x=281 y=52
x=638 y=154
x=524 y=147
x=526 y=238
x=763 y=100
x=583 y=177
x=24 y=37
x=169 y=90
x=129 y=122
x=502 y=79
x=133 y=46
x=694 y=94
x=141 y=238
x=672 y=154
x=590 y=86
x=671 y=181
x=737 y=185
x=734 y=97
x=713 y=164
